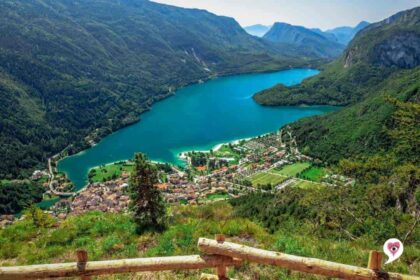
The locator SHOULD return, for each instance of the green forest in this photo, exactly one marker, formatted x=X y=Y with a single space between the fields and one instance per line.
x=16 y=196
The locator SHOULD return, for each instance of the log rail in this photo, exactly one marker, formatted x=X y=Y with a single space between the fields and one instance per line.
x=220 y=255
x=301 y=264
x=77 y=269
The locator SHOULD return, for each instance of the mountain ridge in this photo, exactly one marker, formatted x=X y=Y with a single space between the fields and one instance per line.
x=258 y=30
x=304 y=38
x=372 y=68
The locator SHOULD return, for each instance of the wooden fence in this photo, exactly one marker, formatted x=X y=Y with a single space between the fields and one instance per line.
x=219 y=255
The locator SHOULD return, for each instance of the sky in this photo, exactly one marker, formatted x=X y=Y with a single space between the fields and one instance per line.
x=323 y=14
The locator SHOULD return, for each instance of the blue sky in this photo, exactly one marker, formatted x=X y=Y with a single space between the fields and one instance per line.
x=310 y=13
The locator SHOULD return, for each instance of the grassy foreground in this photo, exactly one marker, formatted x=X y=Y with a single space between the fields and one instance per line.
x=112 y=236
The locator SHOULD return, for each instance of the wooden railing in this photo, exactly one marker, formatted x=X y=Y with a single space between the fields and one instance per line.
x=220 y=255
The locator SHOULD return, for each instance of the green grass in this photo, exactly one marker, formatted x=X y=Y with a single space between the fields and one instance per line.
x=306 y=184
x=293 y=169
x=264 y=178
x=224 y=151
x=313 y=174
x=228 y=152
x=43 y=179
x=105 y=173
x=112 y=236
x=217 y=196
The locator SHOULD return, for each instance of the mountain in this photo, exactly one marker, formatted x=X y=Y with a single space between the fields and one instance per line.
x=305 y=39
x=374 y=139
x=381 y=62
x=345 y=34
x=74 y=71
x=329 y=36
x=257 y=30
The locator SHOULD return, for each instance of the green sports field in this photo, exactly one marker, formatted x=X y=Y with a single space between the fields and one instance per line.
x=291 y=170
x=217 y=196
x=105 y=173
x=313 y=174
x=265 y=178
x=306 y=185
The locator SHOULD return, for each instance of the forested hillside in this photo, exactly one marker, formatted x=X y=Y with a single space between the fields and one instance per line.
x=374 y=139
x=382 y=61
x=69 y=69
x=383 y=202
x=311 y=41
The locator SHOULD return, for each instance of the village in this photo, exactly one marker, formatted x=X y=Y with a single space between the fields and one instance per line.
x=265 y=163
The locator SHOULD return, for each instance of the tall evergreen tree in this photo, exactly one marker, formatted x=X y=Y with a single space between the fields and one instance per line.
x=147 y=204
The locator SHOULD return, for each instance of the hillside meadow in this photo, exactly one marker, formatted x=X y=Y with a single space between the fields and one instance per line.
x=41 y=239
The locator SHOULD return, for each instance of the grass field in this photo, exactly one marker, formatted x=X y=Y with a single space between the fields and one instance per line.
x=292 y=169
x=306 y=185
x=227 y=151
x=313 y=174
x=264 y=178
x=105 y=173
x=217 y=196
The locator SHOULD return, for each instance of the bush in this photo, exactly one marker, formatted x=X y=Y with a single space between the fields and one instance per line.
x=112 y=243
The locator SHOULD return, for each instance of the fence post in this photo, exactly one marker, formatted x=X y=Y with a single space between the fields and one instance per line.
x=205 y=276
x=82 y=258
x=375 y=260
x=221 y=270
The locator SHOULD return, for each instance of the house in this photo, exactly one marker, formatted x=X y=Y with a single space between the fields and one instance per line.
x=162 y=186
x=38 y=174
x=201 y=168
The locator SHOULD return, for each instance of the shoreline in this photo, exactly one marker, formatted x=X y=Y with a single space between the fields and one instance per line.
x=183 y=155
x=186 y=84
x=306 y=65
x=179 y=155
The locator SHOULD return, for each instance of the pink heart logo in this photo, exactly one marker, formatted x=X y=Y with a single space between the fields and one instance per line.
x=393 y=247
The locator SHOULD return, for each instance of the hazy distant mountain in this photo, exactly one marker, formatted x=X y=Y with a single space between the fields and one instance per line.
x=258 y=30
x=345 y=34
x=303 y=38
x=329 y=36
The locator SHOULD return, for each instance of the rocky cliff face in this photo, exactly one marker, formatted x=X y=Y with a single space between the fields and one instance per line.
x=393 y=42
x=402 y=50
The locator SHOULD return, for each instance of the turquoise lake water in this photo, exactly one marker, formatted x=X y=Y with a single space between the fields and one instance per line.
x=197 y=117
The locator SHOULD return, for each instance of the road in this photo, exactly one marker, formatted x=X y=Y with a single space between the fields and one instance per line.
x=51 y=183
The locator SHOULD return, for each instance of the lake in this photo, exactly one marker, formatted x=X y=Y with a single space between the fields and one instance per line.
x=197 y=117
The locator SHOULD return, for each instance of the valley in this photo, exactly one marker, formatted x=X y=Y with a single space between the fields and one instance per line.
x=197 y=117
x=132 y=128
x=265 y=163
x=100 y=64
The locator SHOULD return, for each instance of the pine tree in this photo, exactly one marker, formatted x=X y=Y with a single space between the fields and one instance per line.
x=147 y=204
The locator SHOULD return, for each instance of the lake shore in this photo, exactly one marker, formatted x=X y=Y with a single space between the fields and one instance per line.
x=183 y=155
x=211 y=114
